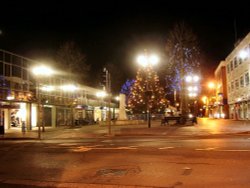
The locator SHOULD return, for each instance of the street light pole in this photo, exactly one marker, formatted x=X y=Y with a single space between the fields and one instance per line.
x=147 y=61
x=40 y=71
x=39 y=109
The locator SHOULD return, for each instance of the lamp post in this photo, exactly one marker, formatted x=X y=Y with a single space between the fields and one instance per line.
x=39 y=72
x=101 y=95
x=147 y=61
x=192 y=87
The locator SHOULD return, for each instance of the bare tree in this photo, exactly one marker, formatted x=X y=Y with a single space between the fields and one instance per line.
x=70 y=58
x=183 y=58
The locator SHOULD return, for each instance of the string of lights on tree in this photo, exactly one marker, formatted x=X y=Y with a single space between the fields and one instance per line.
x=147 y=80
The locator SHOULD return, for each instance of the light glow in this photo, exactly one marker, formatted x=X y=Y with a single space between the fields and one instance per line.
x=243 y=54
x=70 y=88
x=42 y=70
x=101 y=94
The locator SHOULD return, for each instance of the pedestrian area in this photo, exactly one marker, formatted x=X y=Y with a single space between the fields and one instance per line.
x=205 y=126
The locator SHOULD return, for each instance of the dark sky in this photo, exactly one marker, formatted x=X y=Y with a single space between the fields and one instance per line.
x=116 y=32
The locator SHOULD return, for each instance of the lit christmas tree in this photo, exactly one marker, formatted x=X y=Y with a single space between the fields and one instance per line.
x=146 y=93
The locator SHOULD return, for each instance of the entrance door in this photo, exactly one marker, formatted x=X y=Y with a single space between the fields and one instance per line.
x=47 y=116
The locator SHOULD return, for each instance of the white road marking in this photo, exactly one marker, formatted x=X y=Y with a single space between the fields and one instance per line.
x=167 y=148
x=206 y=149
x=233 y=150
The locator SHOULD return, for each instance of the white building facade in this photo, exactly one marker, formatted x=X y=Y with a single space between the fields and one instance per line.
x=238 y=82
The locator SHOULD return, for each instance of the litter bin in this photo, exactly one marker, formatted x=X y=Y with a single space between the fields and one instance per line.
x=1 y=130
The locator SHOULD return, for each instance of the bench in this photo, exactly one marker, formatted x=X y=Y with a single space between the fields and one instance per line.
x=179 y=120
x=166 y=120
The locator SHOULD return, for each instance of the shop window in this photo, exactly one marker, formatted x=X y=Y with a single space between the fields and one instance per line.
x=25 y=87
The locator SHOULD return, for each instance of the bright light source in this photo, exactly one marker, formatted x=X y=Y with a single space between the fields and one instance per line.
x=192 y=94
x=142 y=60
x=145 y=60
x=204 y=99
x=190 y=115
x=69 y=87
x=211 y=85
x=190 y=88
x=117 y=98
x=196 y=78
x=42 y=70
x=243 y=54
x=10 y=98
x=195 y=88
x=223 y=115
x=101 y=94
x=153 y=59
x=47 y=88
x=188 y=79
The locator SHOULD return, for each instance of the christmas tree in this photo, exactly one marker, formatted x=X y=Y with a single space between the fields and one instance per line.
x=146 y=93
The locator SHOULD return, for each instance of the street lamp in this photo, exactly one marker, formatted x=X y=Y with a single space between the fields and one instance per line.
x=39 y=72
x=192 y=87
x=147 y=61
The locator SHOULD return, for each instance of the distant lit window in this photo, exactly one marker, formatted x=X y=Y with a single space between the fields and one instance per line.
x=231 y=65
x=236 y=84
x=247 y=79
x=232 y=86
x=228 y=68
x=240 y=61
x=235 y=62
x=241 y=81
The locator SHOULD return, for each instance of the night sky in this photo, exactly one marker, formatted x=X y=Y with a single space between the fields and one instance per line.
x=115 y=32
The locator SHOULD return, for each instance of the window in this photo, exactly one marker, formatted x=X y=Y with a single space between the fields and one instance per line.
x=231 y=65
x=7 y=70
x=228 y=68
x=236 y=84
x=16 y=60
x=7 y=58
x=241 y=81
x=235 y=62
x=232 y=86
x=1 y=56
x=247 y=79
x=16 y=71
x=240 y=61
x=1 y=68
x=25 y=74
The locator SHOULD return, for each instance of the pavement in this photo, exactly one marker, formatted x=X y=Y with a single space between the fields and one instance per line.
x=204 y=127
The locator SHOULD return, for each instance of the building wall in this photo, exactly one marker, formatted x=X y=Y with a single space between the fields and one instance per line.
x=19 y=87
x=238 y=83
x=221 y=104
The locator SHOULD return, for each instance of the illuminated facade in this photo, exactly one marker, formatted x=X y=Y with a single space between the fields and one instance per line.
x=220 y=105
x=18 y=97
x=237 y=70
